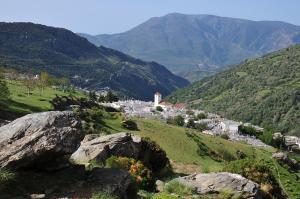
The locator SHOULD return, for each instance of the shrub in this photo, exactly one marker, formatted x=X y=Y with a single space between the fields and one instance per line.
x=190 y=124
x=225 y=136
x=130 y=125
x=258 y=171
x=201 y=116
x=201 y=127
x=141 y=174
x=189 y=112
x=103 y=196
x=6 y=176
x=179 y=120
x=175 y=186
x=249 y=130
x=164 y=196
x=159 y=108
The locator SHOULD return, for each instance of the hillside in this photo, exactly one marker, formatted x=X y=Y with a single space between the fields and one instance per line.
x=264 y=91
x=195 y=46
x=33 y=48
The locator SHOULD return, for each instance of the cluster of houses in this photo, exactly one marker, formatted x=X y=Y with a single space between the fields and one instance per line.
x=215 y=124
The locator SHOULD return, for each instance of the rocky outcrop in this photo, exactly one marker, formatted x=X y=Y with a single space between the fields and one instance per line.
x=121 y=144
x=214 y=183
x=283 y=159
x=35 y=148
x=72 y=182
x=39 y=138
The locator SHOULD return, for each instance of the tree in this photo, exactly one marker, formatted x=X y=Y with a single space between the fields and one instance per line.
x=93 y=96
x=190 y=124
x=44 y=81
x=4 y=92
x=179 y=120
x=201 y=116
x=159 y=108
x=110 y=97
x=29 y=84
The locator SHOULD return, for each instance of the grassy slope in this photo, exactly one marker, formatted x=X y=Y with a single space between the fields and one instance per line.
x=21 y=103
x=263 y=91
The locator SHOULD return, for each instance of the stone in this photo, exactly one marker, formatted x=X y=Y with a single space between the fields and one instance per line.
x=214 y=183
x=120 y=144
x=39 y=139
x=283 y=159
x=159 y=185
x=100 y=148
x=72 y=182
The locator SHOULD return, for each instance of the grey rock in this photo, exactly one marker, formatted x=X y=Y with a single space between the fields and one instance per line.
x=39 y=138
x=282 y=158
x=100 y=148
x=72 y=182
x=121 y=144
x=212 y=183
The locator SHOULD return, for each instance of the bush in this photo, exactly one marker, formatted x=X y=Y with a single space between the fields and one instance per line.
x=175 y=186
x=164 y=196
x=141 y=174
x=201 y=127
x=258 y=171
x=159 y=108
x=103 y=196
x=130 y=125
x=177 y=120
x=190 y=124
x=6 y=176
x=225 y=136
x=189 y=112
x=201 y=116
x=249 y=130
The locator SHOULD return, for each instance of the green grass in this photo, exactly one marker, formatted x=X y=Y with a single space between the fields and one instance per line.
x=180 y=148
x=21 y=103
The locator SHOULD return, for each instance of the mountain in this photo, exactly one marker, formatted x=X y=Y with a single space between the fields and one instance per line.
x=264 y=91
x=33 y=48
x=195 y=46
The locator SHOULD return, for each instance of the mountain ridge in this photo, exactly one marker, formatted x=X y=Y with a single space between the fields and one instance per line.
x=195 y=46
x=34 y=48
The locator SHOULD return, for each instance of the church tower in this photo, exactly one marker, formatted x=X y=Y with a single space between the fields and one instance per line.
x=157 y=99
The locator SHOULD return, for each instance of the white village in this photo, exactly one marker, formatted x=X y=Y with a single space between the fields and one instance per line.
x=215 y=124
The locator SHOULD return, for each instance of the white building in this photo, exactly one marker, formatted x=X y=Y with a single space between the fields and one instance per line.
x=157 y=99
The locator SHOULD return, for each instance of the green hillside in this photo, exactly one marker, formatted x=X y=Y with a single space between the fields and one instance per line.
x=263 y=91
x=20 y=103
x=33 y=48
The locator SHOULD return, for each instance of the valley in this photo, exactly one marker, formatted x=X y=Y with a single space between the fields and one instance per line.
x=181 y=106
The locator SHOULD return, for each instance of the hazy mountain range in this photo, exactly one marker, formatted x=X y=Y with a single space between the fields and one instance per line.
x=195 y=46
x=33 y=48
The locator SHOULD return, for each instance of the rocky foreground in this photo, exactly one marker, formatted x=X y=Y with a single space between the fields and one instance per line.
x=37 y=147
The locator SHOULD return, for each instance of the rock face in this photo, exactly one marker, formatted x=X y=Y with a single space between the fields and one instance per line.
x=120 y=144
x=72 y=182
x=38 y=138
x=100 y=148
x=283 y=159
x=212 y=183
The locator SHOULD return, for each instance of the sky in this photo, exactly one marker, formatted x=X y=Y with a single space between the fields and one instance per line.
x=114 y=16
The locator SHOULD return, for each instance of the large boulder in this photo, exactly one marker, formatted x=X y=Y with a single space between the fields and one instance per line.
x=283 y=159
x=72 y=182
x=39 y=138
x=99 y=148
x=214 y=183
